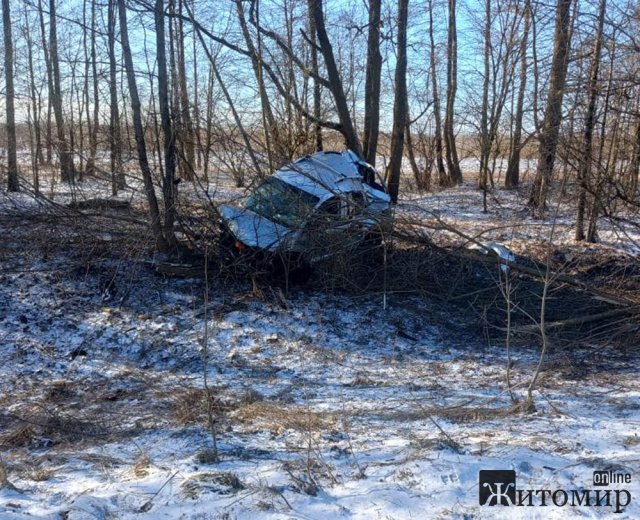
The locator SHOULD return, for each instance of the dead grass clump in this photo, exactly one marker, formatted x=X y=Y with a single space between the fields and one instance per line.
x=65 y=427
x=207 y=456
x=37 y=474
x=4 y=478
x=19 y=437
x=141 y=466
x=190 y=405
x=477 y=414
x=307 y=474
x=59 y=390
x=250 y=396
x=277 y=417
x=463 y=414
x=364 y=380
x=104 y=462
x=222 y=483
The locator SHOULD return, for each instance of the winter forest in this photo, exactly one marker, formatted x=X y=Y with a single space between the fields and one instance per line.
x=319 y=258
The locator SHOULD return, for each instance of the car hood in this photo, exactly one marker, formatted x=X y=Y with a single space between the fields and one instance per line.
x=252 y=229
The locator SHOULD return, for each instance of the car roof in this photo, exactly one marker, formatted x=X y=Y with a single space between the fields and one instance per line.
x=323 y=173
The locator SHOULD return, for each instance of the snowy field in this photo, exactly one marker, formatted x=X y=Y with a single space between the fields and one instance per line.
x=325 y=405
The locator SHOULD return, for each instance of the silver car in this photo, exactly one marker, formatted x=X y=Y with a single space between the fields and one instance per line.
x=309 y=209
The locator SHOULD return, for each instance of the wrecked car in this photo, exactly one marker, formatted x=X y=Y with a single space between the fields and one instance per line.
x=307 y=210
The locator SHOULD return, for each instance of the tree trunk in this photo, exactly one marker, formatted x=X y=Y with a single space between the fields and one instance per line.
x=36 y=103
x=608 y=133
x=208 y=142
x=443 y=179
x=372 y=85
x=635 y=161
x=12 y=161
x=94 y=127
x=453 y=163
x=86 y=103
x=118 y=181
x=47 y=61
x=236 y=116
x=317 y=93
x=271 y=132
x=485 y=141
x=187 y=140
x=169 y=186
x=553 y=111
x=196 y=106
x=512 y=177
x=400 y=104
x=422 y=176
x=67 y=170
x=76 y=129
x=484 y=112
x=49 y=133
x=584 y=171
x=154 y=212
x=335 y=82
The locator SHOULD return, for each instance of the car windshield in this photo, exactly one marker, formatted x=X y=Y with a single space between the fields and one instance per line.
x=282 y=203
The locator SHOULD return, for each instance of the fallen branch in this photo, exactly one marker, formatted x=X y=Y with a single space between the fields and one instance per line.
x=581 y=320
x=100 y=204
x=180 y=270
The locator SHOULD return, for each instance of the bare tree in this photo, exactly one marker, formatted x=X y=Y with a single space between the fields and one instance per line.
x=512 y=176
x=500 y=61
x=335 y=81
x=236 y=116
x=35 y=108
x=485 y=144
x=553 y=110
x=453 y=163
x=372 y=84
x=443 y=179
x=317 y=87
x=271 y=132
x=635 y=160
x=400 y=104
x=607 y=159
x=67 y=169
x=186 y=134
x=422 y=176
x=118 y=181
x=94 y=122
x=169 y=186
x=136 y=110
x=47 y=61
x=586 y=159
x=12 y=161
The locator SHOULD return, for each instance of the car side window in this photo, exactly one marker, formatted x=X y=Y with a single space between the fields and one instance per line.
x=340 y=209
x=357 y=204
x=329 y=209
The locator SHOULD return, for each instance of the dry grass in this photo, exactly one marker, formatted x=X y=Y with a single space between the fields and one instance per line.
x=222 y=482
x=140 y=468
x=37 y=474
x=278 y=417
x=18 y=437
x=188 y=405
x=462 y=414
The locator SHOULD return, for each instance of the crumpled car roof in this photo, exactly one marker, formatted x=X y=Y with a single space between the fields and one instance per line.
x=324 y=173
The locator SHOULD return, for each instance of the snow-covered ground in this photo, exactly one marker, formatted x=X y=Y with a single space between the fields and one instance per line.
x=326 y=405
